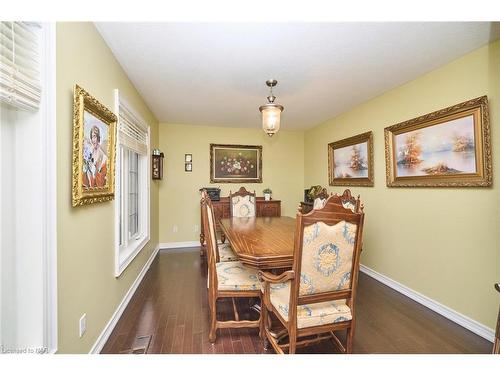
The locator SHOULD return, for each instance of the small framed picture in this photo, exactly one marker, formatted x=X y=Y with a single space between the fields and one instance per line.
x=188 y=167
x=188 y=158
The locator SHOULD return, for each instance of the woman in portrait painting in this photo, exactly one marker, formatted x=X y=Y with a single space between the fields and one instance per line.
x=94 y=160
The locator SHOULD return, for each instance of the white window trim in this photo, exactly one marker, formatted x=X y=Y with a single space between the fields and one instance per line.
x=135 y=247
x=48 y=107
x=47 y=220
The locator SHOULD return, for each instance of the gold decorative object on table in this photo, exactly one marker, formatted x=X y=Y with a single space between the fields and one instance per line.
x=94 y=129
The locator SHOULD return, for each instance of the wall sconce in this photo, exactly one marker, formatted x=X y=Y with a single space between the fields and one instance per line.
x=157 y=164
x=188 y=162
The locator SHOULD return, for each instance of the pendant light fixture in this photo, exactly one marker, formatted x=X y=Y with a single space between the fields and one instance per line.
x=271 y=112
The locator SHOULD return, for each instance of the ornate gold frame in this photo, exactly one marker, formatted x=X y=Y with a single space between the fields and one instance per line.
x=363 y=181
x=235 y=180
x=483 y=177
x=83 y=101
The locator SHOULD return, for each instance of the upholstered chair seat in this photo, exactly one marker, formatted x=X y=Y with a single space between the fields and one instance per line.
x=226 y=253
x=236 y=276
x=310 y=315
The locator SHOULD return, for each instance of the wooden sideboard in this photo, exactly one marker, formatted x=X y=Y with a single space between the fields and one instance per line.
x=265 y=208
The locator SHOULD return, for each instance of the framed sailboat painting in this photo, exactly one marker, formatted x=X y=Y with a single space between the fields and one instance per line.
x=350 y=161
x=447 y=148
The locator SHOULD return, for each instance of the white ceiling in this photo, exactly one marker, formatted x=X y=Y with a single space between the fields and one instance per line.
x=215 y=73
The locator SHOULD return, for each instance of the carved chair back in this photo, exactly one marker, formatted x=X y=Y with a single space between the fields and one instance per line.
x=211 y=239
x=348 y=201
x=242 y=203
x=320 y=199
x=326 y=256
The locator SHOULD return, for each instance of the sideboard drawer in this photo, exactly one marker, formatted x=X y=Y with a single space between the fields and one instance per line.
x=269 y=209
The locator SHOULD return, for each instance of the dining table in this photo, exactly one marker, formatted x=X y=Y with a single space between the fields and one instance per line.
x=264 y=243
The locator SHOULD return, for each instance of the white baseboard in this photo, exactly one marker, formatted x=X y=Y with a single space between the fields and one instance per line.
x=454 y=316
x=104 y=336
x=176 y=245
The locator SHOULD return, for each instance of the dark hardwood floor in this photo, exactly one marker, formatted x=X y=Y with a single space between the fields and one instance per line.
x=169 y=314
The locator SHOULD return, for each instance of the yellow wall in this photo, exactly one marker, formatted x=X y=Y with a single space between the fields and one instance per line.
x=282 y=171
x=443 y=243
x=85 y=235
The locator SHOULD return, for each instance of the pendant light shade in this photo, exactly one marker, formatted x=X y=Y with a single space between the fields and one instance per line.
x=271 y=112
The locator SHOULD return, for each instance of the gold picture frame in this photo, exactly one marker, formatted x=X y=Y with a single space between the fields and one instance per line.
x=350 y=161
x=235 y=163
x=94 y=132
x=447 y=148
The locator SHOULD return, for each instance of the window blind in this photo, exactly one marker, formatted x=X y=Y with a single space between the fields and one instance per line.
x=133 y=133
x=20 y=84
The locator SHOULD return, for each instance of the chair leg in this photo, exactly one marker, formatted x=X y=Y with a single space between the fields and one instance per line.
x=350 y=339
x=263 y=320
x=293 y=342
x=212 y=336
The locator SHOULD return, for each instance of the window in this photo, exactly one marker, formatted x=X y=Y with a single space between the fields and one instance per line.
x=28 y=304
x=132 y=185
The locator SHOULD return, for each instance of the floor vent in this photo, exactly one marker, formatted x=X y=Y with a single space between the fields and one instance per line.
x=140 y=346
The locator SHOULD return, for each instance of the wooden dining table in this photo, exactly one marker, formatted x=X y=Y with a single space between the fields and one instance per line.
x=263 y=243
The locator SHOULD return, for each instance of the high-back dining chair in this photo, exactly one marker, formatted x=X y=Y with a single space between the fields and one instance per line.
x=242 y=203
x=225 y=279
x=224 y=251
x=318 y=296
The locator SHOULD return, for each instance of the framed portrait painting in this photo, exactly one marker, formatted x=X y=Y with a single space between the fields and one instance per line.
x=235 y=163
x=350 y=161
x=447 y=148
x=94 y=129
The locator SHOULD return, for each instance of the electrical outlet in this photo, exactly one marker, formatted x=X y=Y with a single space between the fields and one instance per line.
x=196 y=228
x=83 y=324
x=175 y=229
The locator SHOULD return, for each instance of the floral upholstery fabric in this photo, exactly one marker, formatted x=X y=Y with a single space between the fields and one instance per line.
x=243 y=206
x=319 y=203
x=310 y=315
x=236 y=276
x=327 y=253
x=226 y=253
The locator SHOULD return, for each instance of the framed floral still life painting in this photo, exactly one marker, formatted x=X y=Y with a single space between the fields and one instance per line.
x=94 y=129
x=447 y=148
x=350 y=161
x=235 y=163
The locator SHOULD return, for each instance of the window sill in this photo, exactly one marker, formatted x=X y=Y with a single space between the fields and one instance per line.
x=128 y=254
